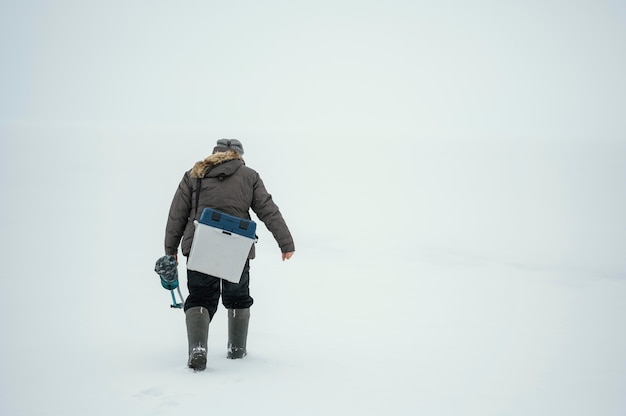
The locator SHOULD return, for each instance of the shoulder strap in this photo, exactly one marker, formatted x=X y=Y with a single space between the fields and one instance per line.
x=197 y=196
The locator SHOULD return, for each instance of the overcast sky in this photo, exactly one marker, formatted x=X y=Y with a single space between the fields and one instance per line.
x=507 y=69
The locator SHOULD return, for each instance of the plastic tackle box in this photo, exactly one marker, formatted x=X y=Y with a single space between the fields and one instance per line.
x=221 y=244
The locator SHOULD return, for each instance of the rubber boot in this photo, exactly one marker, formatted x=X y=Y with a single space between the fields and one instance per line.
x=237 y=332
x=197 y=319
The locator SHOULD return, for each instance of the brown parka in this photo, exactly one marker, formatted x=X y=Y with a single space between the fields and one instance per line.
x=227 y=185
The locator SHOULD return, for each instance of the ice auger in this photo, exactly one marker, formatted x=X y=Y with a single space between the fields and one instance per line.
x=167 y=269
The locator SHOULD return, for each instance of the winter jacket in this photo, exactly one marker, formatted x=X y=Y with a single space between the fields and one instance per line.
x=227 y=185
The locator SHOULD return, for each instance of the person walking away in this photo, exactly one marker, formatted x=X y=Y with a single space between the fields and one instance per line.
x=221 y=181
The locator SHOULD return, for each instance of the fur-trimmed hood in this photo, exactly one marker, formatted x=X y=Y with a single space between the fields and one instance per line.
x=202 y=168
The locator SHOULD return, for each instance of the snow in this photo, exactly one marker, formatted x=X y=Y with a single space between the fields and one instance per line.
x=453 y=181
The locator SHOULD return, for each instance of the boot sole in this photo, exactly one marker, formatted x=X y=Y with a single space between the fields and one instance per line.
x=197 y=362
x=236 y=353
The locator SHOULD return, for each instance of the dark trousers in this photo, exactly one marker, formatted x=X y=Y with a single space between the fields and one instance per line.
x=205 y=290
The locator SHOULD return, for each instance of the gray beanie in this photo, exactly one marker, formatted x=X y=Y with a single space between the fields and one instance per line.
x=224 y=145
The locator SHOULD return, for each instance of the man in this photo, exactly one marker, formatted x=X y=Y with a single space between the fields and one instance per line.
x=223 y=182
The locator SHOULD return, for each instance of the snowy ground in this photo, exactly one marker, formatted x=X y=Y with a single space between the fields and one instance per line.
x=453 y=174
x=369 y=320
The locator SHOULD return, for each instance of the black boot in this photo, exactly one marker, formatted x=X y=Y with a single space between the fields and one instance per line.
x=197 y=319
x=237 y=332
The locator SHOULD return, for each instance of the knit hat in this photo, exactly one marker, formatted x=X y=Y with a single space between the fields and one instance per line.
x=224 y=145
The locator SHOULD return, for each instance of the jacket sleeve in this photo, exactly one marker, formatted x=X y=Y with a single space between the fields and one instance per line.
x=268 y=212
x=178 y=216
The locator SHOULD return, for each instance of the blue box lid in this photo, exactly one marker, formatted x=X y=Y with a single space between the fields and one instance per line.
x=217 y=219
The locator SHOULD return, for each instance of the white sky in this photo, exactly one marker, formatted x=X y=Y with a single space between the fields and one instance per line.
x=542 y=69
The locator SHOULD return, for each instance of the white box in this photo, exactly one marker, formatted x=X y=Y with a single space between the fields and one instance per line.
x=218 y=252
